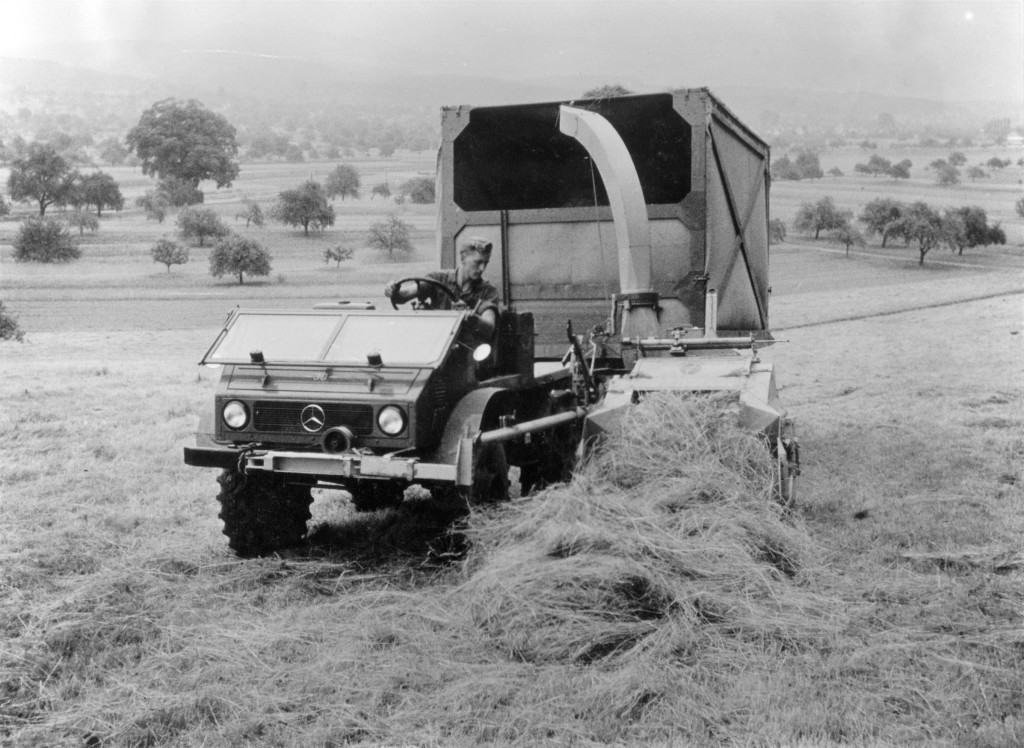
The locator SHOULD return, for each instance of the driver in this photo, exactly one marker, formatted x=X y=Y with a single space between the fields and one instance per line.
x=465 y=283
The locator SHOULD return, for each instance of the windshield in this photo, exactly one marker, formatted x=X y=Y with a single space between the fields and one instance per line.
x=406 y=339
x=401 y=339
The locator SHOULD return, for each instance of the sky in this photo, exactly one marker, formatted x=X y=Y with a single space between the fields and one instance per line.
x=959 y=50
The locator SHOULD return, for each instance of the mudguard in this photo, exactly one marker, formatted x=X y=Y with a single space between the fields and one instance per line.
x=474 y=412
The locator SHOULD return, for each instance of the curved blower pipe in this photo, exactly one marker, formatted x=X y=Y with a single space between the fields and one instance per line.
x=629 y=212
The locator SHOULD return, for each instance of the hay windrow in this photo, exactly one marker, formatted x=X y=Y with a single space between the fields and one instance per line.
x=668 y=536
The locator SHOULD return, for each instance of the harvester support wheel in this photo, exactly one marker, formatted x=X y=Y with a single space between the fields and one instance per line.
x=371 y=495
x=262 y=513
x=787 y=460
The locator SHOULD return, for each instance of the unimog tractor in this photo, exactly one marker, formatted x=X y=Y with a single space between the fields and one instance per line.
x=631 y=237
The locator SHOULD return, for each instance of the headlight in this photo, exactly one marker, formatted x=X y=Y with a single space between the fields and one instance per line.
x=235 y=415
x=391 y=420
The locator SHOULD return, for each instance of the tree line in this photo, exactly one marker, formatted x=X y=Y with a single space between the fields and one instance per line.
x=181 y=145
x=806 y=165
x=912 y=223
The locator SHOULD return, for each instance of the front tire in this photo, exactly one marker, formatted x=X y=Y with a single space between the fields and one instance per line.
x=262 y=513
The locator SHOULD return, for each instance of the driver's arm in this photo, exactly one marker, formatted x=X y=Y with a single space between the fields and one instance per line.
x=488 y=323
x=400 y=294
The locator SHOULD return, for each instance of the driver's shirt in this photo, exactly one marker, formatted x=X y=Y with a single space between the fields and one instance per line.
x=482 y=292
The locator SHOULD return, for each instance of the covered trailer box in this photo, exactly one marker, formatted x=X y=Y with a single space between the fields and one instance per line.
x=509 y=174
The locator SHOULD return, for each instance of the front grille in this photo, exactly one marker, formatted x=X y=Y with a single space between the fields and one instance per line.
x=285 y=417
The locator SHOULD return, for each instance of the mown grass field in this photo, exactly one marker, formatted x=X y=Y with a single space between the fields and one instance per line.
x=890 y=611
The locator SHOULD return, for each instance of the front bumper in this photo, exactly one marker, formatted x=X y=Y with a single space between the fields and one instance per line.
x=347 y=465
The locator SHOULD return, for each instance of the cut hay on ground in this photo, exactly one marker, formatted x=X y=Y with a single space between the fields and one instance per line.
x=666 y=543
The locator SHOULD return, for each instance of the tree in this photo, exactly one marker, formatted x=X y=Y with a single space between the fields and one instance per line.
x=82 y=221
x=901 y=170
x=169 y=252
x=201 y=223
x=997 y=130
x=976 y=172
x=43 y=176
x=997 y=163
x=99 y=189
x=179 y=192
x=338 y=254
x=113 y=152
x=418 y=189
x=879 y=215
x=343 y=181
x=252 y=213
x=820 y=216
x=848 y=235
x=807 y=165
x=381 y=189
x=784 y=169
x=776 y=231
x=10 y=329
x=185 y=140
x=155 y=204
x=924 y=225
x=45 y=240
x=974 y=229
x=304 y=206
x=946 y=174
x=606 y=91
x=5 y=207
x=835 y=171
x=237 y=255
x=875 y=166
x=391 y=236
x=954 y=231
x=956 y=158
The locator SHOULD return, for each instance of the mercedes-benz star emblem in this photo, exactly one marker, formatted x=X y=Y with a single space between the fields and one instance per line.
x=312 y=418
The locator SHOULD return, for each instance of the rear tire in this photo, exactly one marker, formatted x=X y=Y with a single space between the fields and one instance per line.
x=262 y=513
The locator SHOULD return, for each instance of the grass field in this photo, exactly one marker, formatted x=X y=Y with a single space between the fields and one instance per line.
x=126 y=621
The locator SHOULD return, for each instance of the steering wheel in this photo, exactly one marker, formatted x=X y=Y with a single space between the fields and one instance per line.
x=430 y=281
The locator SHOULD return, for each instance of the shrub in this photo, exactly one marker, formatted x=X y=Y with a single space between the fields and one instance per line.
x=776 y=231
x=82 y=220
x=45 y=240
x=155 y=204
x=200 y=224
x=419 y=190
x=391 y=236
x=5 y=207
x=252 y=213
x=236 y=255
x=338 y=254
x=9 y=327
x=1019 y=206
x=169 y=252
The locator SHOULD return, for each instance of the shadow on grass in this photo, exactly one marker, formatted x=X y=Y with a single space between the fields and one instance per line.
x=417 y=532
